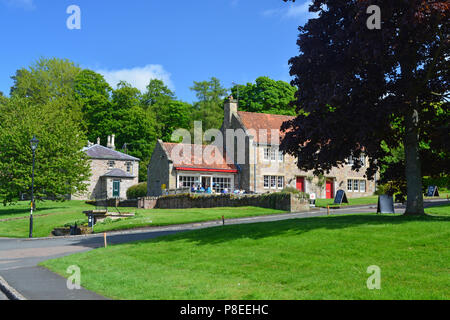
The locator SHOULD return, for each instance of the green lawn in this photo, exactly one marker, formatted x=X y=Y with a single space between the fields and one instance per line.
x=313 y=258
x=163 y=217
x=323 y=203
x=50 y=215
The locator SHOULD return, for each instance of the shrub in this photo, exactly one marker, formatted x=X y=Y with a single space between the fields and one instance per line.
x=137 y=191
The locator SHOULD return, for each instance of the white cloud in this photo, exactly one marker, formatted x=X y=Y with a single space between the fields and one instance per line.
x=291 y=10
x=138 y=77
x=298 y=10
x=24 y=4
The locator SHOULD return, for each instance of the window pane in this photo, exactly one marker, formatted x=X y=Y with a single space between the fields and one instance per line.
x=273 y=182
x=280 y=156
x=362 y=186
x=349 y=185
x=220 y=184
x=187 y=181
x=280 y=182
x=355 y=185
x=350 y=160
x=273 y=155
x=266 y=153
x=266 y=181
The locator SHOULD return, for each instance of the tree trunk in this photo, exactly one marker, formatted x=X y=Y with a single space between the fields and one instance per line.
x=414 y=201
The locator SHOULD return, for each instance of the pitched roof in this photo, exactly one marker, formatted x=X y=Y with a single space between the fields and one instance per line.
x=100 y=152
x=118 y=173
x=210 y=158
x=263 y=122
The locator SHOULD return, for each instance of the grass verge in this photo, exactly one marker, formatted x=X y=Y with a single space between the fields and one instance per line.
x=312 y=258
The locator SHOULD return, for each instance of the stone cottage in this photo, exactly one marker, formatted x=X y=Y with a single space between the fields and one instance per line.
x=113 y=172
x=251 y=162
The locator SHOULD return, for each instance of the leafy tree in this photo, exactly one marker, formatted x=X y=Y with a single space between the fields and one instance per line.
x=209 y=108
x=132 y=125
x=157 y=93
x=170 y=114
x=94 y=95
x=266 y=96
x=46 y=80
x=360 y=88
x=3 y=99
x=61 y=166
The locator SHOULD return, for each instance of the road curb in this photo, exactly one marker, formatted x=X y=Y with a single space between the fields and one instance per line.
x=9 y=291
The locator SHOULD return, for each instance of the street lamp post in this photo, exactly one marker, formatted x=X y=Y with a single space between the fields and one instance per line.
x=34 y=144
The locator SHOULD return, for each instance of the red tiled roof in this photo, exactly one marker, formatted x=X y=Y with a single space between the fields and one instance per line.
x=262 y=122
x=210 y=158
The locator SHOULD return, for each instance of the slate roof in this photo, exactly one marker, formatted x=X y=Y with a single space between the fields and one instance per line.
x=117 y=173
x=100 y=152
x=195 y=162
x=263 y=121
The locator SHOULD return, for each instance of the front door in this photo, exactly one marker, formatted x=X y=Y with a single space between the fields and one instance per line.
x=301 y=184
x=116 y=189
x=329 y=189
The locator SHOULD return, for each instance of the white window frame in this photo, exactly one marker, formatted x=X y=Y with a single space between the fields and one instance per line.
x=350 y=184
x=266 y=153
x=280 y=156
x=266 y=182
x=273 y=155
x=350 y=161
x=111 y=164
x=280 y=179
x=222 y=182
x=191 y=180
x=355 y=185
x=273 y=182
x=361 y=184
x=362 y=159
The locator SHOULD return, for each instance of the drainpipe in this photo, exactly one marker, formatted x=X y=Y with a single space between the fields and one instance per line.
x=254 y=167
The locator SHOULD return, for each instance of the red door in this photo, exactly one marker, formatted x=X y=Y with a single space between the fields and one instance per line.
x=329 y=189
x=301 y=184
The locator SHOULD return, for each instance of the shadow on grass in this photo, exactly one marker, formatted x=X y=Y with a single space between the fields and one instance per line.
x=12 y=212
x=255 y=231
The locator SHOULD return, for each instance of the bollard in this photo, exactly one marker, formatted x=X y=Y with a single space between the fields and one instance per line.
x=104 y=238
x=328 y=210
x=223 y=220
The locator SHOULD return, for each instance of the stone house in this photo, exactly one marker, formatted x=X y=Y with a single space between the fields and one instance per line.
x=253 y=162
x=167 y=170
x=113 y=172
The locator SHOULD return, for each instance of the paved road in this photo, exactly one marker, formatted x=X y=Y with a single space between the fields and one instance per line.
x=19 y=257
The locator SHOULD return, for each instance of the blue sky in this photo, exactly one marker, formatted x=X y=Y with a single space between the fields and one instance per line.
x=135 y=40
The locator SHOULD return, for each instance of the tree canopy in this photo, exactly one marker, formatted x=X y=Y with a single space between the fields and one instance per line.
x=209 y=108
x=266 y=96
x=61 y=166
x=361 y=88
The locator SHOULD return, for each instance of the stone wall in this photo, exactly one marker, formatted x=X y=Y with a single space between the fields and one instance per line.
x=282 y=201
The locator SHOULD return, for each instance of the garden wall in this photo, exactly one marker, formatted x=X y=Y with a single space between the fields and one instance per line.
x=282 y=201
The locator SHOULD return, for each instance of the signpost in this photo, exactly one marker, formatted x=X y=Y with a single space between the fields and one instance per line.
x=385 y=204
x=432 y=191
x=312 y=199
x=341 y=197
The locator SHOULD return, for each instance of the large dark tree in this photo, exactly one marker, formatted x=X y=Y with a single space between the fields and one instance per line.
x=362 y=88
